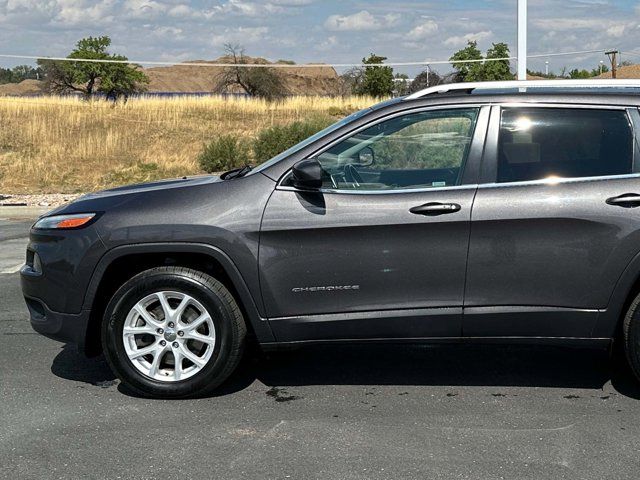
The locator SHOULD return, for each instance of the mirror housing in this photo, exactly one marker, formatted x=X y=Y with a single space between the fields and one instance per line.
x=307 y=174
x=366 y=157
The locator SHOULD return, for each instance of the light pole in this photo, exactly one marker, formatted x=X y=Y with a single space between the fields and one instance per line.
x=522 y=39
x=546 y=68
x=601 y=66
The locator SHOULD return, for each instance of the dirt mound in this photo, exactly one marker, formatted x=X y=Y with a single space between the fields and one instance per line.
x=316 y=80
x=26 y=87
x=627 y=71
x=320 y=80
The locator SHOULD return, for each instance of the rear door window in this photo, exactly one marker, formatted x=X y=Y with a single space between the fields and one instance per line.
x=541 y=143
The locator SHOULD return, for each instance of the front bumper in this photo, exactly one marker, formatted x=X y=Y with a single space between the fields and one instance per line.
x=63 y=327
x=54 y=281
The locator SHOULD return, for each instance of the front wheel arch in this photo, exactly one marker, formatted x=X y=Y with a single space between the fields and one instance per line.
x=122 y=263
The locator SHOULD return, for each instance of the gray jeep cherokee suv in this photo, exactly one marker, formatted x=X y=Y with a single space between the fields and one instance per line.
x=497 y=211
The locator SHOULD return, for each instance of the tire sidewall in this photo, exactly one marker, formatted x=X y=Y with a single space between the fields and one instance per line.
x=141 y=286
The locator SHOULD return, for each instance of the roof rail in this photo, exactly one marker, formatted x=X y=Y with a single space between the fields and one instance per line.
x=522 y=84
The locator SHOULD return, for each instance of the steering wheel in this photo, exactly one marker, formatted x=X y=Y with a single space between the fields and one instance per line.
x=352 y=175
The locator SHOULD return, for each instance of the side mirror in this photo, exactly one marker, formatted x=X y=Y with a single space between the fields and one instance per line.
x=366 y=157
x=307 y=174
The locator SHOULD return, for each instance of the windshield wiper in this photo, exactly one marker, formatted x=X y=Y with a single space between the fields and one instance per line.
x=236 y=172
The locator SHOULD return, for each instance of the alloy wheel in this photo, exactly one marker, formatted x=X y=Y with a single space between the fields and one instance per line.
x=169 y=336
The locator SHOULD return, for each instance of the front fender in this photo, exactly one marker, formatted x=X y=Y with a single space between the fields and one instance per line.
x=260 y=325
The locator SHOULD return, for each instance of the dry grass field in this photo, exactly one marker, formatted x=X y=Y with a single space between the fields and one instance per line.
x=66 y=145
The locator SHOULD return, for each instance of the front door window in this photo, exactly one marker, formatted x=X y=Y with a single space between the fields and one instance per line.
x=412 y=151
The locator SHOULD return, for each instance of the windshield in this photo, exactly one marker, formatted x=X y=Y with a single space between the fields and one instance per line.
x=310 y=140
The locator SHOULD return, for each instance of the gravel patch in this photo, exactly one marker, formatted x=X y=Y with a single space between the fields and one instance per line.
x=39 y=200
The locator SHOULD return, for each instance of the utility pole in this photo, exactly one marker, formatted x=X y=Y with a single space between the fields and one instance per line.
x=613 y=57
x=522 y=39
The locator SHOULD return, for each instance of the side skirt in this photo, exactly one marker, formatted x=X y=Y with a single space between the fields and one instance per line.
x=576 y=342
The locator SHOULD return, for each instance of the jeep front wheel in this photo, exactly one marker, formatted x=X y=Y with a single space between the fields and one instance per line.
x=173 y=332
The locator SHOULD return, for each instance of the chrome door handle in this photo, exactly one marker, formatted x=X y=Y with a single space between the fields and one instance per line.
x=433 y=209
x=627 y=200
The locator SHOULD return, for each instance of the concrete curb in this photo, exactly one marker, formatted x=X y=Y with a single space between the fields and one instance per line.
x=22 y=213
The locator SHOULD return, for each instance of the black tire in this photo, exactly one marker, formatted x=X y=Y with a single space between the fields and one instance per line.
x=227 y=318
x=631 y=336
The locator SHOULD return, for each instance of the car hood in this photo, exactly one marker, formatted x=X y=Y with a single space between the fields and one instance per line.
x=114 y=195
x=151 y=186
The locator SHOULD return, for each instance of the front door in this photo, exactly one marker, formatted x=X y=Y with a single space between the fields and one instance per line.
x=380 y=250
x=556 y=226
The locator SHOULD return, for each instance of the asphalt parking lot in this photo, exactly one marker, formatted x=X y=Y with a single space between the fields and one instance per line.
x=325 y=412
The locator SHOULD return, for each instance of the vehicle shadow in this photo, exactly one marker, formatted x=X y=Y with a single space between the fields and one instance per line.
x=72 y=365
x=439 y=365
x=449 y=365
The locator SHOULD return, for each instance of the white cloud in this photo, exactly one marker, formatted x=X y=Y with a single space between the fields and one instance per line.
x=611 y=28
x=292 y=3
x=259 y=9
x=144 y=9
x=241 y=35
x=168 y=32
x=458 y=41
x=568 y=23
x=181 y=11
x=330 y=43
x=616 y=31
x=422 y=31
x=362 y=20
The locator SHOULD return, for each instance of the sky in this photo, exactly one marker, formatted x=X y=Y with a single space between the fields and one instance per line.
x=338 y=31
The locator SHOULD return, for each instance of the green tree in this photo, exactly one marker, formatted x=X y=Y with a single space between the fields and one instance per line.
x=114 y=80
x=377 y=81
x=579 y=74
x=497 y=69
x=468 y=72
x=263 y=82
x=19 y=73
x=538 y=73
x=5 y=76
x=350 y=81
x=479 y=70
x=401 y=84
x=430 y=78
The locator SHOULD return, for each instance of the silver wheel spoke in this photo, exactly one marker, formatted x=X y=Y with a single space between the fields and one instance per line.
x=153 y=371
x=139 y=330
x=178 y=364
x=164 y=303
x=190 y=327
x=192 y=357
x=170 y=334
x=179 y=311
x=192 y=335
x=144 y=351
x=146 y=316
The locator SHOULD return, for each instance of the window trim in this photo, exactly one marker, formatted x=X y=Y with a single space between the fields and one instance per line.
x=489 y=167
x=471 y=166
x=558 y=181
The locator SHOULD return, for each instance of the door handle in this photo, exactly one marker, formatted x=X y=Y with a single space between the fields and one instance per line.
x=433 y=209
x=627 y=200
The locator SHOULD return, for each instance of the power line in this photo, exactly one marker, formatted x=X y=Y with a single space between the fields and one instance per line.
x=303 y=65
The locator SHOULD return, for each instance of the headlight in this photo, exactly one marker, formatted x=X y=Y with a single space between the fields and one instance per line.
x=61 y=222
